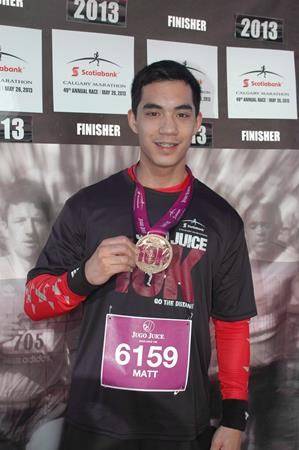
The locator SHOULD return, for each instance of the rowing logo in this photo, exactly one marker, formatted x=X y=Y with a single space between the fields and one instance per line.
x=10 y=67
x=260 y=78
x=262 y=71
x=93 y=61
x=193 y=69
x=9 y=55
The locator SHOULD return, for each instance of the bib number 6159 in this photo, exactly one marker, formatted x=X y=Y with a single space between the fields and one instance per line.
x=154 y=356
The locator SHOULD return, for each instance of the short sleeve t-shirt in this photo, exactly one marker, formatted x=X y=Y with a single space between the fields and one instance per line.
x=209 y=275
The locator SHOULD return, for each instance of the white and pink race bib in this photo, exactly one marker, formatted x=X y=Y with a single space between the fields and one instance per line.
x=146 y=353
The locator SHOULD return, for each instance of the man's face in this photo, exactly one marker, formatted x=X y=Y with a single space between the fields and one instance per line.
x=27 y=227
x=165 y=123
x=261 y=231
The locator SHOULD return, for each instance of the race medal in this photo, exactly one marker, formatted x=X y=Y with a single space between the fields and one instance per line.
x=153 y=253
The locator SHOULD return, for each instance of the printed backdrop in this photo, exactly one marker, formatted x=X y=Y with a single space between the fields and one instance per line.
x=65 y=72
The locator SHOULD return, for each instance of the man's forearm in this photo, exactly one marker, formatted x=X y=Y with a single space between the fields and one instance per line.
x=233 y=354
x=49 y=296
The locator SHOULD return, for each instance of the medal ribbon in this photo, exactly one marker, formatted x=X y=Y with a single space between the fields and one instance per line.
x=170 y=218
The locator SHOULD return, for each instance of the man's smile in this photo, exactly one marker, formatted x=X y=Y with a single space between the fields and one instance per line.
x=166 y=144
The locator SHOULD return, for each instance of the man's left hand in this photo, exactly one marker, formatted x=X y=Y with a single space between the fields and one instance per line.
x=226 y=439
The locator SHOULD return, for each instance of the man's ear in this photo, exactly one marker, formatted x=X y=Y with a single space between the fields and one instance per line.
x=132 y=121
x=198 y=122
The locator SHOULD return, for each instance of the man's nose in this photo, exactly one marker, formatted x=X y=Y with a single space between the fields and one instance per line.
x=260 y=230
x=29 y=226
x=168 y=125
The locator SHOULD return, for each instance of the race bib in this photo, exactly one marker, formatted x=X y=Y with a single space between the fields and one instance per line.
x=146 y=353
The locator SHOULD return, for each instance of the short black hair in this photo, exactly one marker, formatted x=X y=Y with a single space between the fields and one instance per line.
x=28 y=191
x=166 y=70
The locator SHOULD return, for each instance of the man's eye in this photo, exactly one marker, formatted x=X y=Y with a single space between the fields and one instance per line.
x=152 y=113
x=39 y=220
x=183 y=115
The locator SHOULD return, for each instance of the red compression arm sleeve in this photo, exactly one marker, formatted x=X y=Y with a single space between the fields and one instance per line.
x=49 y=296
x=233 y=354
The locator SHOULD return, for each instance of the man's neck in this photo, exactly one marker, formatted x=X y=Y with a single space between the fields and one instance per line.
x=160 y=177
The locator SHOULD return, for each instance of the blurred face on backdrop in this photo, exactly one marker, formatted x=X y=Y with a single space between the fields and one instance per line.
x=262 y=230
x=26 y=229
x=165 y=123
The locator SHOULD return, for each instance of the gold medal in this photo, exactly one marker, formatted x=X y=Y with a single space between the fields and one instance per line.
x=153 y=253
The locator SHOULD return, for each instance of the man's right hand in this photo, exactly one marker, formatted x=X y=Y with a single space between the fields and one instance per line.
x=112 y=256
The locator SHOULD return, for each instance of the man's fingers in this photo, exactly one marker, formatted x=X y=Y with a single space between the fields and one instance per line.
x=120 y=245
x=226 y=439
x=216 y=442
x=119 y=268
x=112 y=256
x=215 y=446
x=116 y=249
x=123 y=240
x=124 y=260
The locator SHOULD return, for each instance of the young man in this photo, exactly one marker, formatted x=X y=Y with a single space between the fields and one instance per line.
x=140 y=379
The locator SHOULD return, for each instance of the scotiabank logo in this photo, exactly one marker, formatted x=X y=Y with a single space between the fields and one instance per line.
x=75 y=71
x=95 y=59
x=96 y=73
x=11 y=69
x=6 y=67
x=263 y=73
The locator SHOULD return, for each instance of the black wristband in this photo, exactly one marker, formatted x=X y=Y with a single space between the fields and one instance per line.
x=234 y=414
x=78 y=282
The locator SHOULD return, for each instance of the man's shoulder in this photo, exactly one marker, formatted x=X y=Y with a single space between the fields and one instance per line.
x=105 y=189
x=217 y=206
